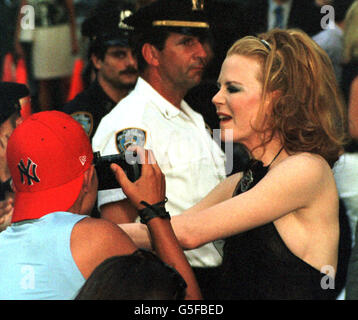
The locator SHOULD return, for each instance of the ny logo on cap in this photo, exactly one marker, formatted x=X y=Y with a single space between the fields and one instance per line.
x=25 y=171
x=198 y=5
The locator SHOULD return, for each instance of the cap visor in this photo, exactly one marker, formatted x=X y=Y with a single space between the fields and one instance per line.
x=34 y=205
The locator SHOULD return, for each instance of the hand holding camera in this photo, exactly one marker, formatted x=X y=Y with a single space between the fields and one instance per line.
x=150 y=187
x=106 y=179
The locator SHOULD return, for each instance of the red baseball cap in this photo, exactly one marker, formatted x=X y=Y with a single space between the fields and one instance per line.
x=47 y=155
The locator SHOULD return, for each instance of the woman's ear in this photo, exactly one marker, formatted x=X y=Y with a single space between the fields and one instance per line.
x=150 y=54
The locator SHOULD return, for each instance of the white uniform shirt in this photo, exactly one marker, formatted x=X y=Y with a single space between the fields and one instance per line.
x=191 y=160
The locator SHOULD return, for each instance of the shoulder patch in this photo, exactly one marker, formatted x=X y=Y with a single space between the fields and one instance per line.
x=85 y=119
x=129 y=136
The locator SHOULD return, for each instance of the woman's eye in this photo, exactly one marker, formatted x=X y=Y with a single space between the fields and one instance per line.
x=232 y=89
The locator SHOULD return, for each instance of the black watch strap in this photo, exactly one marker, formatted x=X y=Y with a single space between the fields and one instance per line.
x=153 y=211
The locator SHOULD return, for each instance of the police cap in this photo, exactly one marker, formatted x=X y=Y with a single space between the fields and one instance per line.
x=10 y=94
x=182 y=16
x=105 y=23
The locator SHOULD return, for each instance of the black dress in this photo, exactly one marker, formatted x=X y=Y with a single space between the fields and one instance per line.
x=257 y=265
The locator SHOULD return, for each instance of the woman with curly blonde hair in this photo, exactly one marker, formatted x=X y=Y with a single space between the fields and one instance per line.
x=280 y=217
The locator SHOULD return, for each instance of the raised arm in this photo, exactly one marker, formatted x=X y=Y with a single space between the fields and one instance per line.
x=294 y=186
x=152 y=191
x=223 y=191
x=119 y=212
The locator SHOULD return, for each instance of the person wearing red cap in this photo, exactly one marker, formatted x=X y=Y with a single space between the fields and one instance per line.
x=52 y=245
x=10 y=117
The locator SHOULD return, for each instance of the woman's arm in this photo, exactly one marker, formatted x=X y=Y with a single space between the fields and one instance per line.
x=223 y=191
x=291 y=185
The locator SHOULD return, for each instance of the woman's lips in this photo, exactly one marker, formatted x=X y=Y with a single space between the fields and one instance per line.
x=224 y=118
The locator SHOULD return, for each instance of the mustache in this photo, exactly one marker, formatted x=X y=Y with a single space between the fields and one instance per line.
x=129 y=70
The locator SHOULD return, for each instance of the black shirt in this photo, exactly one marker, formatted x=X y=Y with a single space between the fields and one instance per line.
x=257 y=265
x=89 y=107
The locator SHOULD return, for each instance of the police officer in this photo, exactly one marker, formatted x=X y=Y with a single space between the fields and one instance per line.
x=10 y=117
x=169 y=41
x=113 y=62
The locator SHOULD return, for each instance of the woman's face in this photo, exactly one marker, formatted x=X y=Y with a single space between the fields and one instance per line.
x=239 y=98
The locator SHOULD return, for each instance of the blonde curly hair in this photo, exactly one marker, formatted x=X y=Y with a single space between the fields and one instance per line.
x=308 y=113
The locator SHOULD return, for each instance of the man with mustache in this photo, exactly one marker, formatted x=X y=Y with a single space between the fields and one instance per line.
x=170 y=41
x=111 y=57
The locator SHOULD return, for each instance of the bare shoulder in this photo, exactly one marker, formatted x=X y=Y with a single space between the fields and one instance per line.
x=304 y=175
x=304 y=166
x=94 y=240
x=100 y=231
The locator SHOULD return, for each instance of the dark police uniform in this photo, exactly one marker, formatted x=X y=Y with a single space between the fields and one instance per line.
x=89 y=107
x=104 y=27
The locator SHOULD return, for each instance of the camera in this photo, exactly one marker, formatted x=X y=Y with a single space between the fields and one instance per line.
x=106 y=177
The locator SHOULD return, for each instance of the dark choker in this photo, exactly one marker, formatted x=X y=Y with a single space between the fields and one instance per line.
x=253 y=173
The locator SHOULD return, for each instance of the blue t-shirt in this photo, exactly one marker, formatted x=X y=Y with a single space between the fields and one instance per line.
x=36 y=260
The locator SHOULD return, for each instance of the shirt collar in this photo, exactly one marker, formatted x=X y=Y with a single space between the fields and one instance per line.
x=167 y=109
